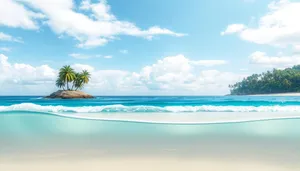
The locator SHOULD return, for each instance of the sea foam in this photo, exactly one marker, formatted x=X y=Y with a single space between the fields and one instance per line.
x=136 y=109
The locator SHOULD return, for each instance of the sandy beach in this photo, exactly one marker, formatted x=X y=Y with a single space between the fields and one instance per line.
x=145 y=164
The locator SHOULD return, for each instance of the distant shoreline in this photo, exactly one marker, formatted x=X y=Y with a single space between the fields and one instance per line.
x=277 y=94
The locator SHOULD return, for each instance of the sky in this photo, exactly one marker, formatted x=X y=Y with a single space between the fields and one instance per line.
x=148 y=47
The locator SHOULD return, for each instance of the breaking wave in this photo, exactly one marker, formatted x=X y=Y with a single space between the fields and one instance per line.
x=30 y=107
x=154 y=114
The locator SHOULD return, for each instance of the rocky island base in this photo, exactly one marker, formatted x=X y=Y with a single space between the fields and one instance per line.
x=69 y=94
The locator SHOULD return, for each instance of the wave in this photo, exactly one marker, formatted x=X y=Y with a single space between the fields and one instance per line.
x=164 y=115
x=171 y=118
x=30 y=107
x=189 y=119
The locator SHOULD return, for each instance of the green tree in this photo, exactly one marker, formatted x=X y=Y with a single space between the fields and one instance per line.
x=60 y=83
x=85 y=76
x=81 y=79
x=67 y=74
x=275 y=81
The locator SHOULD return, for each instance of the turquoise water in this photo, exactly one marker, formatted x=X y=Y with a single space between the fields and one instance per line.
x=56 y=116
x=152 y=104
x=35 y=125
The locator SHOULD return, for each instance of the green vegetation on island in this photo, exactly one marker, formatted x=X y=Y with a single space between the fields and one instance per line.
x=275 y=81
x=68 y=79
x=71 y=82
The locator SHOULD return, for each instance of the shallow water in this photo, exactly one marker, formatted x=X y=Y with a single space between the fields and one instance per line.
x=31 y=127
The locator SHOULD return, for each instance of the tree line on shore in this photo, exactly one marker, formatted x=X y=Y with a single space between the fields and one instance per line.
x=68 y=79
x=275 y=81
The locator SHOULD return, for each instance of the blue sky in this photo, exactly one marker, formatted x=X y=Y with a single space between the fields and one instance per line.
x=148 y=47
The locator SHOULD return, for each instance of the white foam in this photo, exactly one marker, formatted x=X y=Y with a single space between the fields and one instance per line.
x=140 y=109
x=169 y=114
x=186 y=118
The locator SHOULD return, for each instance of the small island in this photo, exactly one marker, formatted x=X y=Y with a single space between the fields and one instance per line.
x=276 y=82
x=70 y=84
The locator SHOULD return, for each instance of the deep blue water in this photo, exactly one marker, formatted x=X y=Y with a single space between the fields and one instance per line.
x=160 y=101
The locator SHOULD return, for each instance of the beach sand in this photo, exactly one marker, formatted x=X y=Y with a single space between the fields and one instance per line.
x=213 y=154
x=51 y=143
x=143 y=164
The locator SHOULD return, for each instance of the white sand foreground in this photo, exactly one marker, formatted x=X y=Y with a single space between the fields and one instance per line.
x=142 y=164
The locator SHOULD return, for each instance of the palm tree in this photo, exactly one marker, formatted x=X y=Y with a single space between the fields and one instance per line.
x=60 y=83
x=85 y=76
x=81 y=79
x=78 y=82
x=67 y=74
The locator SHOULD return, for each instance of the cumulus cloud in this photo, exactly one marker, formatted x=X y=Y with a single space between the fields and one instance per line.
x=24 y=73
x=233 y=28
x=209 y=63
x=14 y=14
x=263 y=59
x=17 y=77
x=177 y=73
x=92 y=23
x=169 y=75
x=278 y=27
x=80 y=67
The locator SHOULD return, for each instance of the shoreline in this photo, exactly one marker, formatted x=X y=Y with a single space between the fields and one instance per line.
x=276 y=94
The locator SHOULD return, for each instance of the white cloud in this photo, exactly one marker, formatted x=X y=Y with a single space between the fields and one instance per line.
x=234 y=28
x=14 y=14
x=124 y=51
x=80 y=67
x=93 y=42
x=101 y=10
x=297 y=48
x=7 y=37
x=92 y=24
x=170 y=75
x=25 y=79
x=263 y=59
x=24 y=73
x=209 y=63
x=178 y=73
x=278 y=27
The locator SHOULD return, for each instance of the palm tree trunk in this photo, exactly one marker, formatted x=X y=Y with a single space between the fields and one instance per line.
x=73 y=85
x=68 y=85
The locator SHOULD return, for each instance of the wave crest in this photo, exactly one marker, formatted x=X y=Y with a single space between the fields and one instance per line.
x=135 y=109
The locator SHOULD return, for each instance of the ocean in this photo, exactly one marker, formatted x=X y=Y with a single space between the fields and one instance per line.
x=184 y=128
